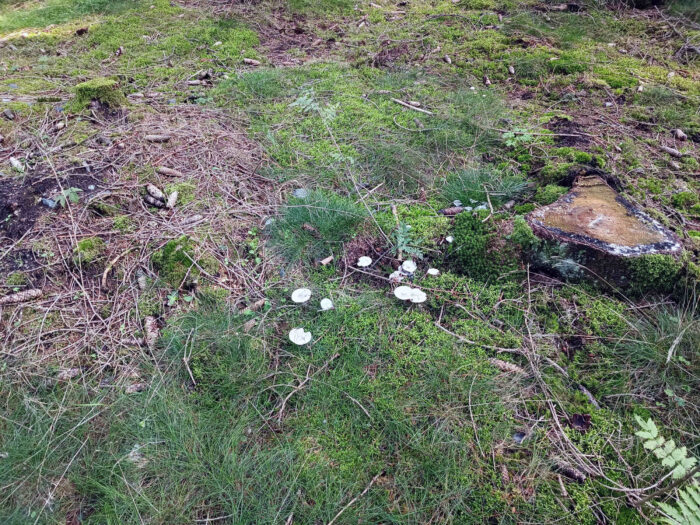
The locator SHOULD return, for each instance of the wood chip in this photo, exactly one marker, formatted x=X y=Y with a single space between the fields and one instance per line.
x=678 y=133
x=21 y=297
x=157 y=138
x=172 y=200
x=155 y=192
x=70 y=373
x=447 y=59
x=150 y=327
x=326 y=261
x=569 y=471
x=451 y=211
x=671 y=151
x=505 y=366
x=135 y=388
x=154 y=202
x=251 y=62
x=487 y=81
x=169 y=172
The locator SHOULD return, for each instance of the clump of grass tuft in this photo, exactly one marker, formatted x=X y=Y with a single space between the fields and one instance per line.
x=314 y=226
x=472 y=186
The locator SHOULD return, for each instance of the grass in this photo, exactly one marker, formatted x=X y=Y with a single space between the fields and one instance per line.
x=472 y=407
x=313 y=227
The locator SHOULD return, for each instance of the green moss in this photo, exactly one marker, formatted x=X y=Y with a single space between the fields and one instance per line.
x=522 y=209
x=549 y=193
x=149 y=304
x=427 y=228
x=654 y=273
x=474 y=251
x=523 y=235
x=123 y=223
x=175 y=263
x=685 y=199
x=104 y=90
x=16 y=279
x=185 y=191
x=88 y=251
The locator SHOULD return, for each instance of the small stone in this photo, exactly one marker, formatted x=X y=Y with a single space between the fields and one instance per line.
x=300 y=193
x=9 y=114
x=49 y=203
x=608 y=104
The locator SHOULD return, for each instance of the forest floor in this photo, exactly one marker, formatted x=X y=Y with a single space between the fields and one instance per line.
x=146 y=370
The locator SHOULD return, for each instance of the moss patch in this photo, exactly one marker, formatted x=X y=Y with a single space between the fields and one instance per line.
x=103 y=90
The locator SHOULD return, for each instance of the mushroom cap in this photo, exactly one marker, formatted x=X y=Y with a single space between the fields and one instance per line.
x=433 y=271
x=301 y=295
x=299 y=336
x=409 y=266
x=396 y=277
x=326 y=304
x=403 y=292
x=418 y=296
x=364 y=261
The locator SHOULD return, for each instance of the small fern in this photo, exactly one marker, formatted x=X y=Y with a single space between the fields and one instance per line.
x=403 y=242
x=686 y=510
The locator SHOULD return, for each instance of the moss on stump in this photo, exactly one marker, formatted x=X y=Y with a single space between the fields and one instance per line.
x=104 y=90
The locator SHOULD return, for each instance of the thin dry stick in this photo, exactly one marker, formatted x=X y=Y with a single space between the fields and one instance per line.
x=303 y=384
x=409 y=106
x=353 y=500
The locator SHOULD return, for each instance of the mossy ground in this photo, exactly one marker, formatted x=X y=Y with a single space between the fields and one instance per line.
x=225 y=419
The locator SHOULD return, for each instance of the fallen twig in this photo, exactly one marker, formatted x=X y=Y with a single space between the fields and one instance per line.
x=353 y=500
x=409 y=106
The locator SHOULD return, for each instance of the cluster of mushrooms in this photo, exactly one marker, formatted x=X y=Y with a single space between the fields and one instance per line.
x=300 y=337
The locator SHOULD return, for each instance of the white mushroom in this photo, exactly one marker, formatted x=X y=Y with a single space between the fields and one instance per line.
x=433 y=271
x=299 y=336
x=449 y=238
x=364 y=261
x=408 y=267
x=404 y=293
x=418 y=296
x=326 y=304
x=396 y=277
x=301 y=295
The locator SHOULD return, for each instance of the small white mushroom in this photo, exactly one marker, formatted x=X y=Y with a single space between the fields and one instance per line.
x=418 y=296
x=326 y=304
x=299 y=336
x=396 y=277
x=449 y=238
x=301 y=295
x=433 y=271
x=364 y=261
x=408 y=267
x=403 y=293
